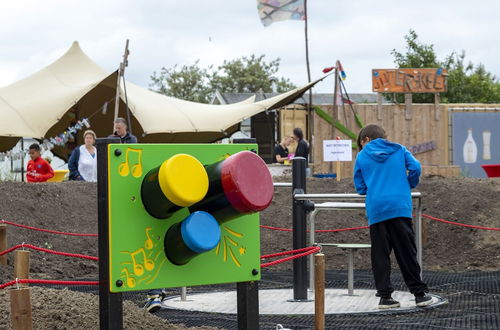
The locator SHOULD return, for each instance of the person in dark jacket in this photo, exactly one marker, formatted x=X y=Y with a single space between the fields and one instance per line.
x=121 y=131
x=82 y=164
x=302 y=145
x=386 y=172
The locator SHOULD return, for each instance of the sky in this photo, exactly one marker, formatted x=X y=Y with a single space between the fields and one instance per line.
x=164 y=33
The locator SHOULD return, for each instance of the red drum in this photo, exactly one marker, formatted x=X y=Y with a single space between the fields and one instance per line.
x=240 y=184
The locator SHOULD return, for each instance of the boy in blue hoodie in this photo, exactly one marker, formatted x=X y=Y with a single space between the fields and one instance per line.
x=386 y=172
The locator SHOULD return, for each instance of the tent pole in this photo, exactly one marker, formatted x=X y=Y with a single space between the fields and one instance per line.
x=22 y=159
x=129 y=122
x=121 y=70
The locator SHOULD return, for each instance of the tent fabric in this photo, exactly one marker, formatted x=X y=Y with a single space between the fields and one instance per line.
x=75 y=87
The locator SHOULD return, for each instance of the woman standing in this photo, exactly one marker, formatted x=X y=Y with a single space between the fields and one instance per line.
x=82 y=164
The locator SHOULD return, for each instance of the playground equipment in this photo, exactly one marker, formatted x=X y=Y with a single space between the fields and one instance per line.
x=303 y=204
x=179 y=215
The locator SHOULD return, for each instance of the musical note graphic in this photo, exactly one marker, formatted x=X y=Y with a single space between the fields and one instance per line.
x=148 y=263
x=148 y=244
x=138 y=267
x=130 y=280
x=124 y=168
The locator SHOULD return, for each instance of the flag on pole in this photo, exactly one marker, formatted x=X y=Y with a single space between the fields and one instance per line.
x=271 y=11
x=341 y=70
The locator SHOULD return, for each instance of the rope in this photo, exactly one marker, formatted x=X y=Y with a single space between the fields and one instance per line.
x=29 y=246
x=284 y=253
x=276 y=228
x=53 y=282
x=459 y=224
x=45 y=230
x=309 y=250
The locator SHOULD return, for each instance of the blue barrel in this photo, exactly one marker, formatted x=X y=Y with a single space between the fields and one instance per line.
x=196 y=234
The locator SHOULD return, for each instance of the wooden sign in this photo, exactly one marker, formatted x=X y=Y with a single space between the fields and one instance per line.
x=409 y=80
x=423 y=147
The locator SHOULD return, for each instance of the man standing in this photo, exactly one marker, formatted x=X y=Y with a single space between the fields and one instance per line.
x=121 y=131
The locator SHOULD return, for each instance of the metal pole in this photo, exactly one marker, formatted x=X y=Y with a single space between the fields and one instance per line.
x=110 y=304
x=183 y=293
x=282 y=184
x=299 y=228
x=310 y=121
x=304 y=197
x=248 y=305
x=312 y=228
x=418 y=229
x=350 y=272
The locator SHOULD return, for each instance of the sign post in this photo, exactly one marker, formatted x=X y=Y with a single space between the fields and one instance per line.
x=337 y=151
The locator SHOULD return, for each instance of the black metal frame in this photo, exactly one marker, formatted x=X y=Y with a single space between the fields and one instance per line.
x=110 y=304
x=299 y=214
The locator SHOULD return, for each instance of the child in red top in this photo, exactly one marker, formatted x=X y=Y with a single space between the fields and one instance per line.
x=39 y=170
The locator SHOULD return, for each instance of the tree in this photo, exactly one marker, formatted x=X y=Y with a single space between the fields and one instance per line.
x=249 y=75
x=188 y=83
x=246 y=74
x=466 y=83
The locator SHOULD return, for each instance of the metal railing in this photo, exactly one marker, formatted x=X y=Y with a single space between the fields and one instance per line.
x=354 y=206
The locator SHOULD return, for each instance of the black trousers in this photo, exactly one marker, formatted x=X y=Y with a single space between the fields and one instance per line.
x=398 y=235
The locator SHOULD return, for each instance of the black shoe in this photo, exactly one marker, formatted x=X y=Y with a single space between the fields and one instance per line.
x=422 y=301
x=386 y=303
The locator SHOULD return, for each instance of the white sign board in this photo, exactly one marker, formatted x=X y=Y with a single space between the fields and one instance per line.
x=337 y=150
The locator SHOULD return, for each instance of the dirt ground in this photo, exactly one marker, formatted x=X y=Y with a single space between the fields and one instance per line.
x=72 y=206
x=76 y=310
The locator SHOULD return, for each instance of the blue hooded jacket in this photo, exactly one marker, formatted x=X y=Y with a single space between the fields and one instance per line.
x=386 y=172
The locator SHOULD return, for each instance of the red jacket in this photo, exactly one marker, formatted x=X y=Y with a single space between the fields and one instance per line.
x=39 y=170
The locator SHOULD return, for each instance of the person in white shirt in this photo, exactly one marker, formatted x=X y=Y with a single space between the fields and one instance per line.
x=82 y=164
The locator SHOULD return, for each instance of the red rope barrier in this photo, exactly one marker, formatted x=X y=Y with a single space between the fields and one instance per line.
x=276 y=228
x=53 y=282
x=29 y=246
x=45 y=230
x=309 y=250
x=458 y=224
x=284 y=253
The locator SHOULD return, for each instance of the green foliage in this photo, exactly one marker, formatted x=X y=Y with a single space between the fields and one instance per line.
x=187 y=82
x=469 y=83
x=246 y=74
x=466 y=83
x=249 y=75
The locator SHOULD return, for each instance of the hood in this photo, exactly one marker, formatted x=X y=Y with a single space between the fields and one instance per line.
x=380 y=149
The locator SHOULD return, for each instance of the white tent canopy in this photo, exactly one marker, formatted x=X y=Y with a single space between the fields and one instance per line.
x=76 y=87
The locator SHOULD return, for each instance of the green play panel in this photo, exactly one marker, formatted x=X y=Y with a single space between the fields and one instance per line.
x=137 y=257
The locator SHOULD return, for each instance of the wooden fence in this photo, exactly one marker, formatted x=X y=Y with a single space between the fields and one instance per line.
x=423 y=126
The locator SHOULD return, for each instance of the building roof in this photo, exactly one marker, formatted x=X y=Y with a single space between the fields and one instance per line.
x=318 y=98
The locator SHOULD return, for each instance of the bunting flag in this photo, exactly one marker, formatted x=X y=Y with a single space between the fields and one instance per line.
x=49 y=144
x=341 y=70
x=271 y=11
